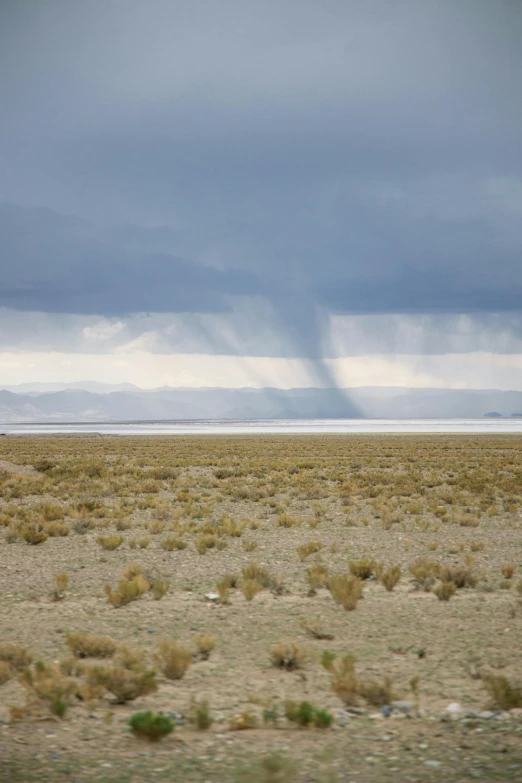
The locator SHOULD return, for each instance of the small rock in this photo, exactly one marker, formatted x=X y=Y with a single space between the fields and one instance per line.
x=486 y=714
x=432 y=763
x=386 y=710
x=151 y=630
x=376 y=716
x=212 y=596
x=402 y=706
x=454 y=708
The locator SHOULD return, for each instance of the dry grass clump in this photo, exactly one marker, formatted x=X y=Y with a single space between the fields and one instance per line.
x=204 y=644
x=317 y=576
x=244 y=721
x=6 y=672
x=346 y=589
x=56 y=529
x=16 y=655
x=86 y=645
x=133 y=585
x=47 y=684
x=171 y=542
x=364 y=568
x=288 y=655
x=508 y=570
x=460 y=576
x=33 y=534
x=504 y=694
x=445 y=590
x=350 y=688
x=305 y=550
x=224 y=585
x=477 y=546
x=110 y=542
x=315 y=628
x=199 y=715
x=159 y=588
x=250 y=588
x=249 y=546
x=173 y=658
x=61 y=583
x=287 y=520
x=124 y=683
x=207 y=541
x=139 y=542
x=390 y=577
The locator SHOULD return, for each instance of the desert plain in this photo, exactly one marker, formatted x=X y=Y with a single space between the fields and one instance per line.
x=299 y=607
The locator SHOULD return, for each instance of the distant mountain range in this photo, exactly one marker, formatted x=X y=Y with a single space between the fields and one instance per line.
x=90 y=401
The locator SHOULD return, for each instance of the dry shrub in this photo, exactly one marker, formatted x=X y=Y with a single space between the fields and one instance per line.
x=315 y=628
x=127 y=590
x=61 y=583
x=460 y=576
x=171 y=542
x=287 y=655
x=56 y=529
x=204 y=643
x=199 y=714
x=346 y=589
x=390 y=578
x=208 y=541
x=477 y=546
x=466 y=520
x=422 y=569
x=317 y=576
x=249 y=546
x=6 y=672
x=17 y=656
x=287 y=520
x=47 y=684
x=305 y=550
x=156 y=526
x=504 y=694
x=364 y=568
x=159 y=588
x=445 y=590
x=33 y=534
x=258 y=572
x=351 y=689
x=508 y=570
x=250 y=588
x=110 y=542
x=139 y=542
x=124 y=683
x=173 y=658
x=246 y=720
x=86 y=645
x=132 y=569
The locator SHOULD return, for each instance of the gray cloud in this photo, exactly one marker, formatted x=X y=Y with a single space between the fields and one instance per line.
x=336 y=157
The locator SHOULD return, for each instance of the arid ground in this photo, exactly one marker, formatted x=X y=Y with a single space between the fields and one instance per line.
x=376 y=579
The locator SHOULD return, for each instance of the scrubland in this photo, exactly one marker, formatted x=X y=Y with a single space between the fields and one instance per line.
x=269 y=608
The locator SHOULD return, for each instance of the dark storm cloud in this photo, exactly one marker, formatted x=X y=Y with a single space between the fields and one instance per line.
x=335 y=157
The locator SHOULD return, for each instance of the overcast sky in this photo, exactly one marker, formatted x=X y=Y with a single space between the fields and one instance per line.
x=287 y=192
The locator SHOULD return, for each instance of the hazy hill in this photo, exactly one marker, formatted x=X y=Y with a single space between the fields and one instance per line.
x=133 y=404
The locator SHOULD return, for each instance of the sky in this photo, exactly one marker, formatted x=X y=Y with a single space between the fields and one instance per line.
x=287 y=193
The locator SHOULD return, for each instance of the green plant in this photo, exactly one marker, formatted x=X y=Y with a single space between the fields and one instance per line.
x=152 y=726
x=323 y=719
x=302 y=713
x=200 y=715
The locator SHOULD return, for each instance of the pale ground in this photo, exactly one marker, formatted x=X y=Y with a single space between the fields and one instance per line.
x=401 y=634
